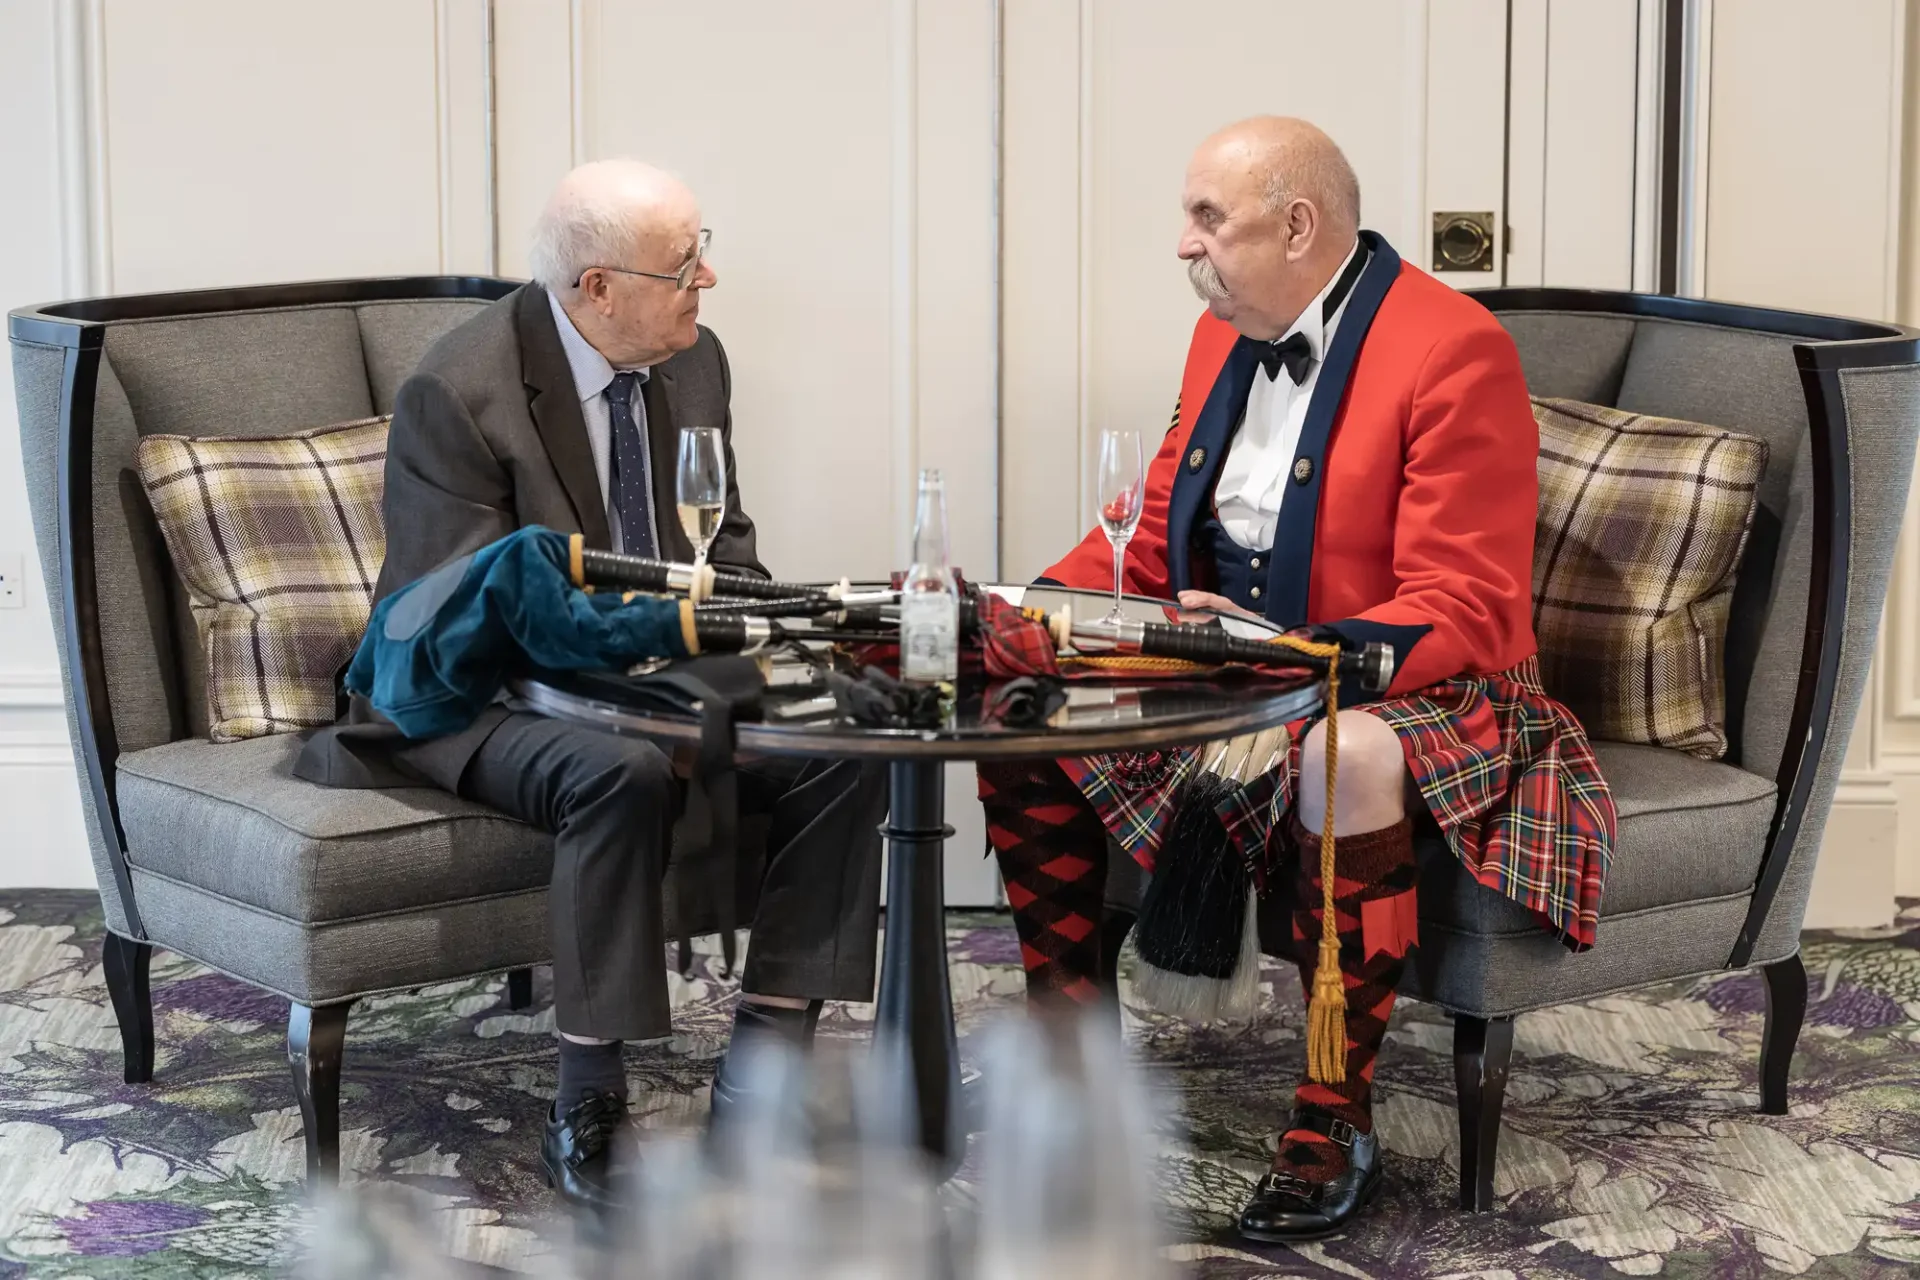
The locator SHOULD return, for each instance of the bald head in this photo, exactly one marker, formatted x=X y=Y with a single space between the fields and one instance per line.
x=1292 y=159
x=611 y=246
x=1272 y=211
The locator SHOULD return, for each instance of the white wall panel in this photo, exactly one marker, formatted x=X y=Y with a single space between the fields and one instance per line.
x=1809 y=115
x=1573 y=123
x=1805 y=116
x=1527 y=152
x=1042 y=270
x=42 y=195
x=243 y=142
x=533 y=115
x=1592 y=59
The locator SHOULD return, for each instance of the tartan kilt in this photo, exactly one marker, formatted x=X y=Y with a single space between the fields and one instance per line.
x=1506 y=771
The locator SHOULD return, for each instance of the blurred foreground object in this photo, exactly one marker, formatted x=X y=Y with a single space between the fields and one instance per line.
x=823 y=1177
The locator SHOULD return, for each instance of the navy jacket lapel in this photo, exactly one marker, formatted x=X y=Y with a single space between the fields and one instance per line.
x=1206 y=451
x=1292 y=562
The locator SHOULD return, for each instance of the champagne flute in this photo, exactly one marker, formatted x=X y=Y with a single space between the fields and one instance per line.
x=701 y=487
x=1122 y=485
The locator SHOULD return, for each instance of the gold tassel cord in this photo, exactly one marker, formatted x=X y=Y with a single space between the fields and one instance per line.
x=1327 y=1011
x=1129 y=663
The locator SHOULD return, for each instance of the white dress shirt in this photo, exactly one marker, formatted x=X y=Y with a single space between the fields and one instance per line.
x=591 y=375
x=1253 y=482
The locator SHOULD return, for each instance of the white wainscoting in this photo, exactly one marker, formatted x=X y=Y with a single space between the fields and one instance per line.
x=1817 y=110
x=42 y=197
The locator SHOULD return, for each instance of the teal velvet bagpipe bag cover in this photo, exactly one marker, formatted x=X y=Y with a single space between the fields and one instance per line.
x=440 y=649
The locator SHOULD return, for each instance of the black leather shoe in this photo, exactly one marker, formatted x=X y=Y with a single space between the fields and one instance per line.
x=578 y=1152
x=1286 y=1209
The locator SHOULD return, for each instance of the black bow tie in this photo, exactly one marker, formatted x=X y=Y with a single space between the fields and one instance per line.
x=1293 y=351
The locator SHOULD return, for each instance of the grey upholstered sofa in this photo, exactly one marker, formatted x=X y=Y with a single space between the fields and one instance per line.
x=216 y=851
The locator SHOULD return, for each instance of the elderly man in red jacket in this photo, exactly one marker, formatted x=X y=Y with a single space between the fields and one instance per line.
x=1353 y=454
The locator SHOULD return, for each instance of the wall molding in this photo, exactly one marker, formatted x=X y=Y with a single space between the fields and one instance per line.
x=31 y=691
x=1413 y=123
x=1086 y=483
x=903 y=291
x=33 y=722
x=96 y=144
x=1896 y=155
x=1695 y=134
x=1650 y=58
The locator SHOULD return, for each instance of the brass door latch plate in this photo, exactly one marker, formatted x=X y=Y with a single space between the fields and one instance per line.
x=1463 y=241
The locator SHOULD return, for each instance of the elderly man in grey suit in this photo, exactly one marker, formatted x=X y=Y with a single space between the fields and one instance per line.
x=558 y=405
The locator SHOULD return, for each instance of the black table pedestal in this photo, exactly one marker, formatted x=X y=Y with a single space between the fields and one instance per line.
x=916 y=1000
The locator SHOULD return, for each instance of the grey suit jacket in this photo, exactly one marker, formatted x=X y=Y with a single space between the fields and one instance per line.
x=487 y=436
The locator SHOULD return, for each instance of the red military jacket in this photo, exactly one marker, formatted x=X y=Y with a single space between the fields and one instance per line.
x=1410 y=510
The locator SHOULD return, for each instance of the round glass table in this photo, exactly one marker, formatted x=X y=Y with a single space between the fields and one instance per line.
x=799 y=719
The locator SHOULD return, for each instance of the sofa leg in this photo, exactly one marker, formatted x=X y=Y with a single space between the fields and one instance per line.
x=316 y=1040
x=126 y=963
x=1482 y=1052
x=519 y=988
x=1786 y=1008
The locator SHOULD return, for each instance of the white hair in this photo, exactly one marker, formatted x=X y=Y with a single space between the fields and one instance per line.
x=591 y=221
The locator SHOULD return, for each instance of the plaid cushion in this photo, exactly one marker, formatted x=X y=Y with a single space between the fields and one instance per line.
x=1642 y=522
x=278 y=541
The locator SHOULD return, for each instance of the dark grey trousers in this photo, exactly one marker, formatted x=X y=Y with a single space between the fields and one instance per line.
x=611 y=802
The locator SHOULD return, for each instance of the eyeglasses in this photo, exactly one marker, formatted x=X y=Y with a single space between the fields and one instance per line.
x=683 y=278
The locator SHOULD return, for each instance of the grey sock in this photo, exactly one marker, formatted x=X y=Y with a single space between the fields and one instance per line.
x=588 y=1068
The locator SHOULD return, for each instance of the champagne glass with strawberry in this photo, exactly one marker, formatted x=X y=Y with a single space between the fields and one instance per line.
x=1122 y=488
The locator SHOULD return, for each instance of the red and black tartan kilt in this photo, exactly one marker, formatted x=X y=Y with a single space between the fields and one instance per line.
x=1506 y=771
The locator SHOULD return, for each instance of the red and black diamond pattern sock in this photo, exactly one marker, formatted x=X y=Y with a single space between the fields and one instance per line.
x=1374 y=912
x=1052 y=848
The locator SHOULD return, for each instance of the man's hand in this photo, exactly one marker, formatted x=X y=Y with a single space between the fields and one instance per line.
x=1208 y=600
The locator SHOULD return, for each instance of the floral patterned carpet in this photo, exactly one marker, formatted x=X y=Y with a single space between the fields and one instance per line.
x=1631 y=1147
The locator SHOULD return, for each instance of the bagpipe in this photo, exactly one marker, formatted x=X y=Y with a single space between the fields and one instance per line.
x=729 y=612
x=441 y=649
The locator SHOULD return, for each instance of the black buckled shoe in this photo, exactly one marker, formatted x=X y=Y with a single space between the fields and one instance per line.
x=1286 y=1208
x=577 y=1152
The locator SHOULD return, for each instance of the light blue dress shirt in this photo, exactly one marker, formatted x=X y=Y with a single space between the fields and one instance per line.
x=591 y=374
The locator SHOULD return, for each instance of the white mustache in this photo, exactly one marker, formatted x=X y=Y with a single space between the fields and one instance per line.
x=1206 y=281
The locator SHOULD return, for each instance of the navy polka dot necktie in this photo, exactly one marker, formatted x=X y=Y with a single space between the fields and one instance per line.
x=629 y=483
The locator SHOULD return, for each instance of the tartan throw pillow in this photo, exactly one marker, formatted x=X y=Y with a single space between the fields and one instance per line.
x=278 y=541
x=1642 y=522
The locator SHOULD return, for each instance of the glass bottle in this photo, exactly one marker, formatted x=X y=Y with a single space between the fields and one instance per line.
x=929 y=598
